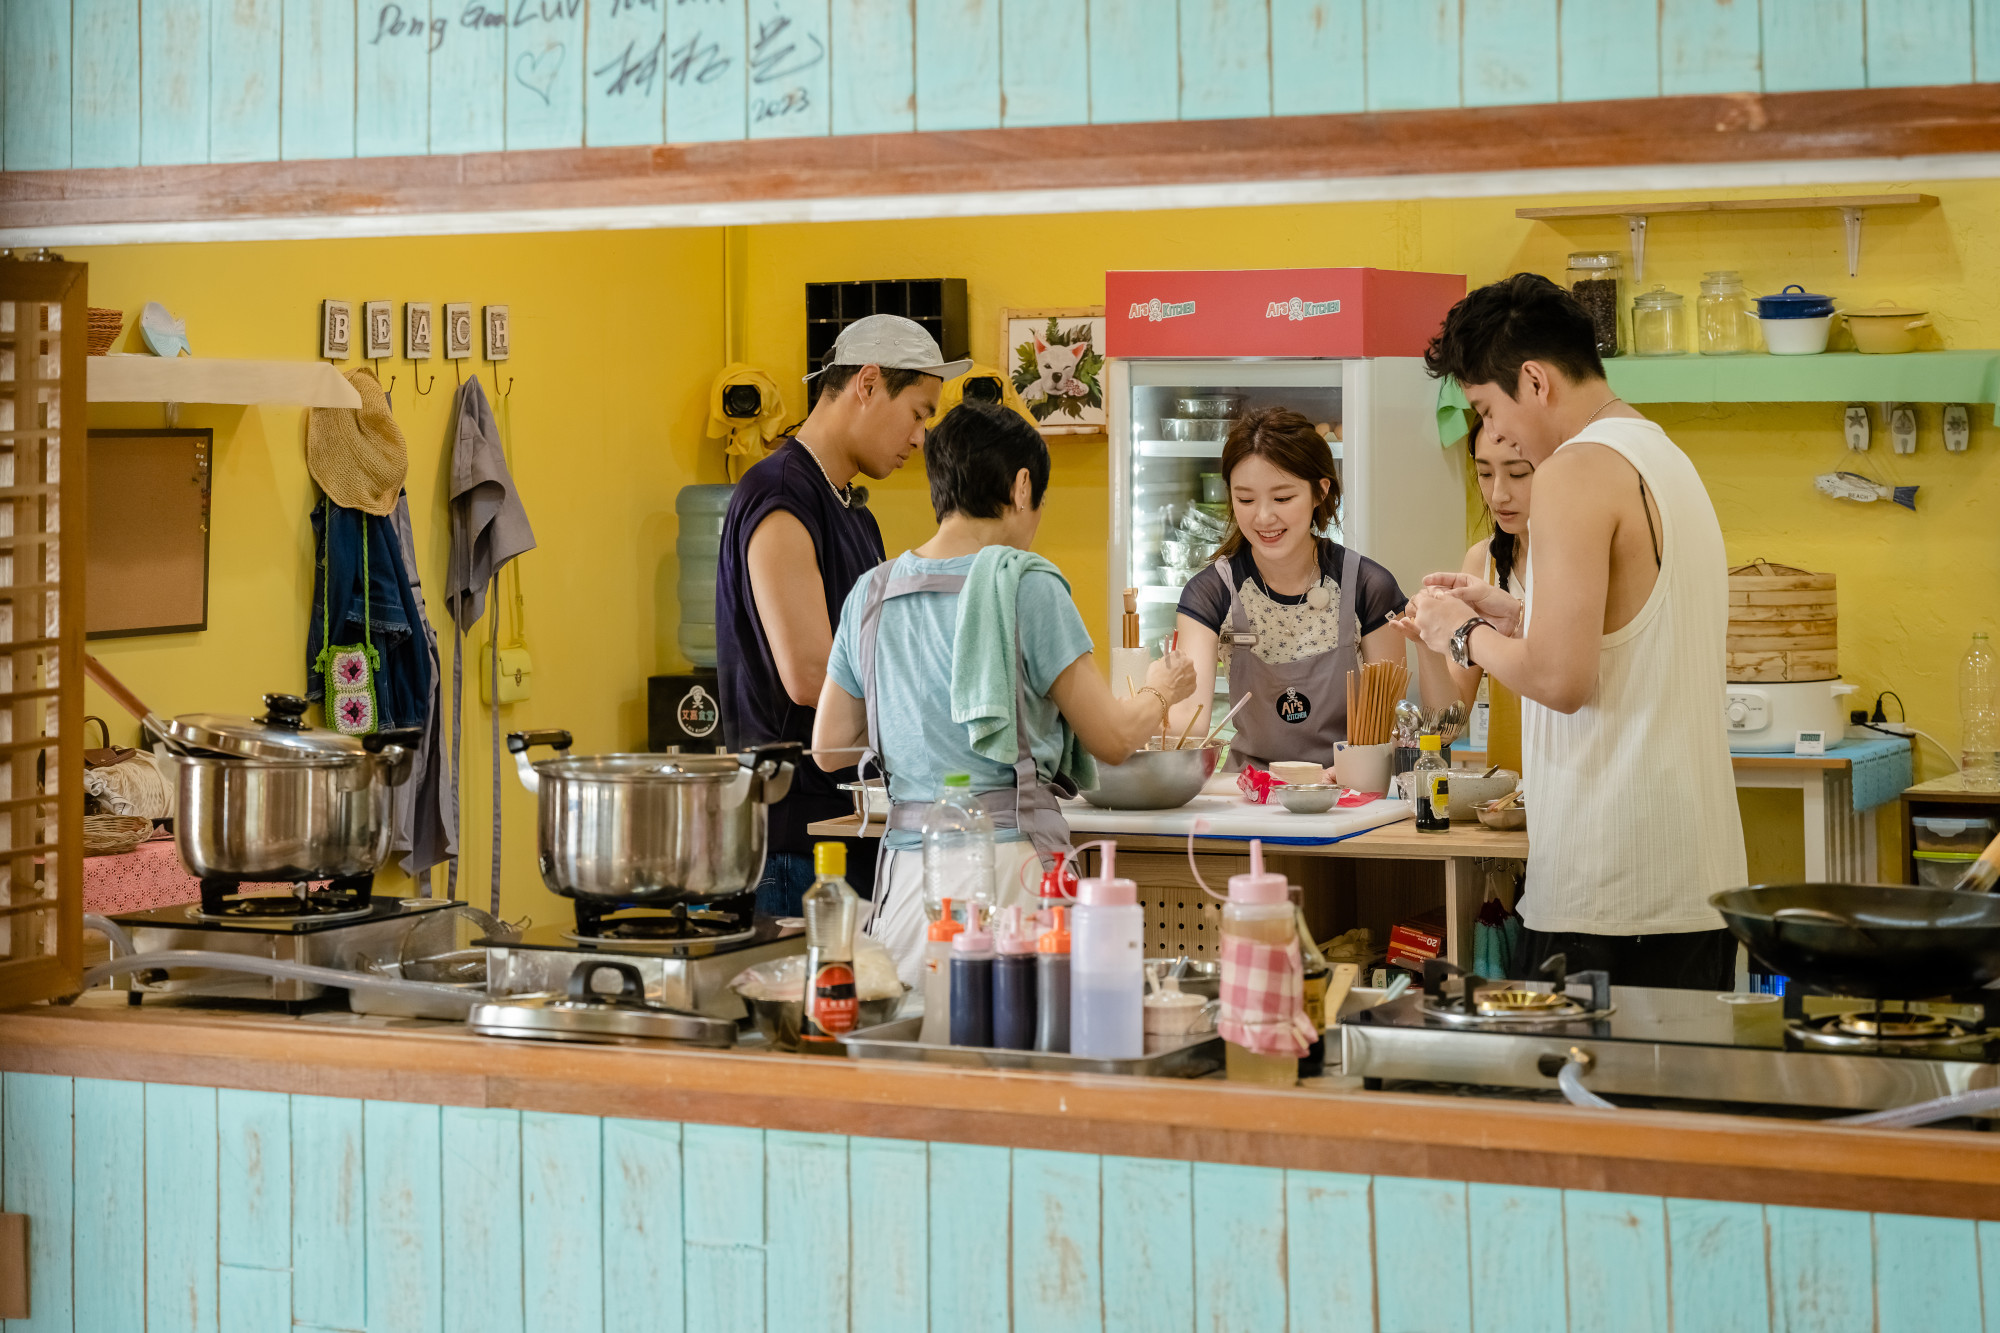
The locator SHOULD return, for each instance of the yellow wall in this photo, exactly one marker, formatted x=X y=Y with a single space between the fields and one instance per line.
x=615 y=336
x=617 y=333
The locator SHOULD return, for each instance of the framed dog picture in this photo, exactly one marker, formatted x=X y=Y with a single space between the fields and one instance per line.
x=1055 y=358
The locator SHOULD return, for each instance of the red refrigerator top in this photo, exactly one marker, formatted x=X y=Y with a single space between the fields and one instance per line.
x=1315 y=312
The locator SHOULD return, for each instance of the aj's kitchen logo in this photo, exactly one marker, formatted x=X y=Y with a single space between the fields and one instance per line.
x=698 y=712
x=1299 y=309
x=1155 y=310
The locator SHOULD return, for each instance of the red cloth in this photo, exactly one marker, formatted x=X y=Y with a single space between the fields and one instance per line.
x=149 y=876
x=1263 y=997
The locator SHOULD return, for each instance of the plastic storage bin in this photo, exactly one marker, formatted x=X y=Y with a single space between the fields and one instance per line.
x=1939 y=833
x=1941 y=870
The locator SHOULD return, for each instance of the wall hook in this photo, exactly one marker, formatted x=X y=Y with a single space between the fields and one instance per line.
x=416 y=381
x=391 y=385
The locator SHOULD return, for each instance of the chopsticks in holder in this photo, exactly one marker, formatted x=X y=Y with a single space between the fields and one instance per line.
x=1371 y=701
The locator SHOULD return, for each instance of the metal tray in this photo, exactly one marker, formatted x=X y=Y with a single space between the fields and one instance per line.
x=1166 y=1057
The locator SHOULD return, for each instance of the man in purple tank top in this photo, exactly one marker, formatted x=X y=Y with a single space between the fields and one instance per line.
x=797 y=536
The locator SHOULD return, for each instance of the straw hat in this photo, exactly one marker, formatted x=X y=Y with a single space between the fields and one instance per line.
x=357 y=455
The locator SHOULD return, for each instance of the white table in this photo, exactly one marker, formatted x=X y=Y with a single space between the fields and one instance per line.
x=1840 y=841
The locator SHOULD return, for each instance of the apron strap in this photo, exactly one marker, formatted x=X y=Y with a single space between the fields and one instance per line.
x=1349 y=630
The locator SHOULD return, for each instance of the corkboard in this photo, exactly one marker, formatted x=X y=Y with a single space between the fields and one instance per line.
x=147 y=571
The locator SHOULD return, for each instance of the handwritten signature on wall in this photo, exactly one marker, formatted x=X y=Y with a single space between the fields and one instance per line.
x=779 y=50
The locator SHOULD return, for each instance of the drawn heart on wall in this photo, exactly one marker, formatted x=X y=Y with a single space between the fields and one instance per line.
x=538 y=73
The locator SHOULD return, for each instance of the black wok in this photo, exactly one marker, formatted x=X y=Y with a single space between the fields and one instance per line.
x=1875 y=940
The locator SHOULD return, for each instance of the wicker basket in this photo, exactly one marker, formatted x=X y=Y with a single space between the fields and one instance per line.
x=105 y=322
x=114 y=835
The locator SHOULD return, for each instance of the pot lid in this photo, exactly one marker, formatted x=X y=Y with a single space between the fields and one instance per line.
x=281 y=733
x=1794 y=297
x=587 y=1014
x=648 y=767
x=1886 y=308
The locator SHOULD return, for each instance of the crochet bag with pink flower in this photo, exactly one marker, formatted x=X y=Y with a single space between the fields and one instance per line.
x=349 y=669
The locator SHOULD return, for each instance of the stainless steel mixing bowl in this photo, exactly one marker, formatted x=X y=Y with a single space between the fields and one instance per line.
x=1154 y=779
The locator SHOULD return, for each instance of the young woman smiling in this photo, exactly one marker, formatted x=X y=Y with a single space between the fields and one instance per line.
x=1285 y=611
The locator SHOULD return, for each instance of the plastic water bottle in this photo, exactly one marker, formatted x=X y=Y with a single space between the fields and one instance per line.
x=1979 y=722
x=958 y=849
x=1107 y=971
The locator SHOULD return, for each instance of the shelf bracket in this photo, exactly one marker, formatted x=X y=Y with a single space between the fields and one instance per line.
x=1635 y=228
x=1852 y=217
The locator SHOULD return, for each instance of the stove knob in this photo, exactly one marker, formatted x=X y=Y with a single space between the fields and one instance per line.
x=1739 y=713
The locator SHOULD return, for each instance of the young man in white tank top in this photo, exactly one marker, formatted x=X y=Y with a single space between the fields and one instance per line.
x=1616 y=652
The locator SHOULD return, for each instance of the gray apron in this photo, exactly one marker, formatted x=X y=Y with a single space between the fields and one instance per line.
x=1031 y=807
x=1300 y=708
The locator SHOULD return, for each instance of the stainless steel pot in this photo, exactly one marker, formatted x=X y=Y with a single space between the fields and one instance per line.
x=270 y=798
x=652 y=829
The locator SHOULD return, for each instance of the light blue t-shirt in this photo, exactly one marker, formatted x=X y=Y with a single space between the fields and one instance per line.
x=913 y=657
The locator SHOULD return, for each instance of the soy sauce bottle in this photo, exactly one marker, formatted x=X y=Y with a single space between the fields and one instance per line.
x=1430 y=782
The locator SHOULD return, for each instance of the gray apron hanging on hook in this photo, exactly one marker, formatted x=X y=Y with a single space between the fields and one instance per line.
x=1030 y=807
x=489 y=527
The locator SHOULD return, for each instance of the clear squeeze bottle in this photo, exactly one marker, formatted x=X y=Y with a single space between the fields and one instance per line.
x=1052 y=983
x=1014 y=982
x=832 y=1005
x=1260 y=911
x=1107 y=968
x=1430 y=784
x=972 y=982
x=958 y=848
x=936 y=1027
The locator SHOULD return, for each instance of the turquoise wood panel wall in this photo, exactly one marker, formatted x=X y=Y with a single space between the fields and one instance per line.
x=161 y=1207
x=112 y=83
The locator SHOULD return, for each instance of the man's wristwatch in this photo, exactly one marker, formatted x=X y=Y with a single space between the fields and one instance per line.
x=1461 y=642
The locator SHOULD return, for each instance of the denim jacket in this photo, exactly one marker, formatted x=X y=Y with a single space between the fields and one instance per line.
x=403 y=681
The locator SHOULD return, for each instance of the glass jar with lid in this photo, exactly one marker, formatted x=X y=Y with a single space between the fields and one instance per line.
x=1723 y=326
x=1597 y=279
x=1656 y=324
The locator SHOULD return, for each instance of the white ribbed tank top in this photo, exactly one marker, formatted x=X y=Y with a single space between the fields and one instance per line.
x=1632 y=817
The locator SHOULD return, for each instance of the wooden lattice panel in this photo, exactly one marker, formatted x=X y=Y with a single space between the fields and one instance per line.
x=42 y=407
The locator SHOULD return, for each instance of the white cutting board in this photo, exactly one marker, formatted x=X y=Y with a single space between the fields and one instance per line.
x=1234 y=817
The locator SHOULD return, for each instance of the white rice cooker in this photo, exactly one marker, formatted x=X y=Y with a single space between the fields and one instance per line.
x=1769 y=718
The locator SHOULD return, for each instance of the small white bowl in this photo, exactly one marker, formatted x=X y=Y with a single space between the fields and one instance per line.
x=1308 y=798
x=1796 y=337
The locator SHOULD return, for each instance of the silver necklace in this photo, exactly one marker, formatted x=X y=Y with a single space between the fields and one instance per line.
x=844 y=494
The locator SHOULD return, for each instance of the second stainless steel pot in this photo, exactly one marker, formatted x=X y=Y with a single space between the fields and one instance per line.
x=272 y=799
x=651 y=829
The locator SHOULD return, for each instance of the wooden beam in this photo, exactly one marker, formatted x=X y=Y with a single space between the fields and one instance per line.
x=1747 y=127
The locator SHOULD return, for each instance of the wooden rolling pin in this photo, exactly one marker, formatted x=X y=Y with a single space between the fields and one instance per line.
x=1979 y=877
x=115 y=687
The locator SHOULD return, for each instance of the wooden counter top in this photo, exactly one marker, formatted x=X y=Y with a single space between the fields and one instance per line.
x=1941 y=1173
x=1390 y=842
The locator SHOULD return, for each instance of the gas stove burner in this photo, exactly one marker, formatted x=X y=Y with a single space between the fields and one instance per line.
x=703 y=927
x=643 y=931
x=278 y=909
x=1887 y=1031
x=1471 y=1002
x=1878 y=1023
x=222 y=899
x=1519 y=1002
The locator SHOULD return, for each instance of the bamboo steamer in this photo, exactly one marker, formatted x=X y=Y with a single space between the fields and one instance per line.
x=1783 y=624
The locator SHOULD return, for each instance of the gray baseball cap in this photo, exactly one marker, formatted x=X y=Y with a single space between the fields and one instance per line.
x=893 y=343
